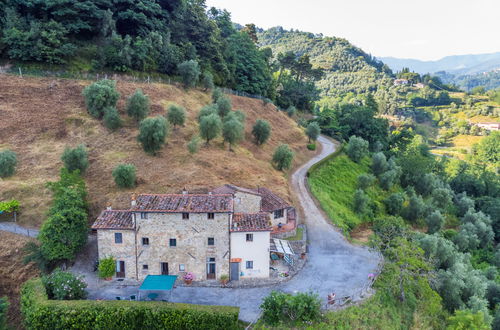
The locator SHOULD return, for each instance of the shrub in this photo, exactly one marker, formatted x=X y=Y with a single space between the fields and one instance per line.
x=207 y=80
x=223 y=106
x=138 y=105
x=194 y=145
x=100 y=95
x=8 y=162
x=361 y=201
x=283 y=157
x=379 y=163
x=365 y=180
x=189 y=72
x=389 y=179
x=416 y=208
x=153 y=134
x=124 y=175
x=216 y=94
x=441 y=197
x=311 y=146
x=261 y=131
x=75 y=159
x=4 y=307
x=64 y=286
x=112 y=119
x=210 y=127
x=291 y=111
x=107 y=267
x=357 y=148
x=282 y=307
x=40 y=313
x=466 y=319
x=312 y=131
x=394 y=203
x=435 y=222
x=207 y=110
x=176 y=115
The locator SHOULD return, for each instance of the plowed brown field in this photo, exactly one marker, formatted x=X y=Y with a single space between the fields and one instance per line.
x=39 y=117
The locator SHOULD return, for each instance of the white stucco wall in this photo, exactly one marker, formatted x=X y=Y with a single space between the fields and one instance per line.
x=256 y=251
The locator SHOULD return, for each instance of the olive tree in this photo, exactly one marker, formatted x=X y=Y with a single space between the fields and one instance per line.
x=189 y=72
x=210 y=127
x=232 y=131
x=76 y=158
x=394 y=203
x=365 y=180
x=223 y=106
x=379 y=163
x=100 y=95
x=8 y=162
x=207 y=80
x=153 y=134
x=176 y=115
x=138 y=105
x=361 y=201
x=357 y=148
x=312 y=131
x=124 y=175
x=283 y=157
x=435 y=222
x=112 y=119
x=261 y=131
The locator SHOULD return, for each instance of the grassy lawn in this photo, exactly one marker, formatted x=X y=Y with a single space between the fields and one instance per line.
x=334 y=184
x=298 y=235
x=461 y=145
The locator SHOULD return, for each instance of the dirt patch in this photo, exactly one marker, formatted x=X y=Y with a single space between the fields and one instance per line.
x=13 y=273
x=362 y=233
x=41 y=116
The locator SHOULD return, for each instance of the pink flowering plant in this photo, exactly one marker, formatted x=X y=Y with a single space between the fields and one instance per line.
x=188 y=276
x=64 y=286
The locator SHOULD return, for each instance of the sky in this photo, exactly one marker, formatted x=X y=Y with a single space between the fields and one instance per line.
x=419 y=29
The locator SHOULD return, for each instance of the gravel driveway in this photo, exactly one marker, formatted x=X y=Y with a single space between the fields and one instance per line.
x=334 y=265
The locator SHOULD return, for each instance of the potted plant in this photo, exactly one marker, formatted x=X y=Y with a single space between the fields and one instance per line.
x=224 y=278
x=188 y=278
x=106 y=268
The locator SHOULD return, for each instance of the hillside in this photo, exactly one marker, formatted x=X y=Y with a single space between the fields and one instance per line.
x=41 y=116
x=347 y=68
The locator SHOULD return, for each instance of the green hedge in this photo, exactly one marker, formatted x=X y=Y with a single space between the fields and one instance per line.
x=326 y=159
x=41 y=313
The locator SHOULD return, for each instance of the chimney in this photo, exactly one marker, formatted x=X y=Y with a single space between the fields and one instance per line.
x=184 y=191
x=210 y=193
x=132 y=200
x=108 y=207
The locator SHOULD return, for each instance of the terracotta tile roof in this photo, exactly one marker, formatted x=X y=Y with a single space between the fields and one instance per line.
x=251 y=222
x=114 y=219
x=176 y=203
x=231 y=189
x=271 y=201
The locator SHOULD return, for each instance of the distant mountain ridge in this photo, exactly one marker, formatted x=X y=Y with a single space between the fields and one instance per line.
x=456 y=64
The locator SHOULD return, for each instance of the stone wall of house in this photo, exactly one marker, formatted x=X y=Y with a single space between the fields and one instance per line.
x=246 y=203
x=124 y=251
x=276 y=221
x=192 y=249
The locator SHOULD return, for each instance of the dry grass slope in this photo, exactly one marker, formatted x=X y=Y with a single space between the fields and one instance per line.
x=41 y=116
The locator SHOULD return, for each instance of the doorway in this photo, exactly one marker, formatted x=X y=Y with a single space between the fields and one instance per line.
x=210 y=268
x=120 y=269
x=235 y=271
x=164 y=268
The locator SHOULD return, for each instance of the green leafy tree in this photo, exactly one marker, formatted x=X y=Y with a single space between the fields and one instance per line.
x=281 y=307
x=210 y=127
x=223 y=106
x=357 y=148
x=207 y=80
x=207 y=110
x=107 y=267
x=153 y=134
x=176 y=115
x=261 y=131
x=64 y=286
x=283 y=157
x=189 y=72
x=365 y=180
x=138 y=105
x=291 y=111
x=435 y=222
x=75 y=159
x=124 y=175
x=394 y=203
x=441 y=197
x=361 y=201
x=389 y=179
x=466 y=319
x=232 y=131
x=464 y=203
x=379 y=163
x=313 y=131
x=416 y=208
x=99 y=96
x=8 y=162
x=112 y=119
x=217 y=94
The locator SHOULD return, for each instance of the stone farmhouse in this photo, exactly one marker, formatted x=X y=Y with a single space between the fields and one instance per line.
x=223 y=232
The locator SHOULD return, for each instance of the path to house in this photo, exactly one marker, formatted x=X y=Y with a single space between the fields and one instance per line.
x=334 y=265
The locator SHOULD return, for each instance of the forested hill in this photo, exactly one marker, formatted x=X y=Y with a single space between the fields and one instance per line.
x=347 y=68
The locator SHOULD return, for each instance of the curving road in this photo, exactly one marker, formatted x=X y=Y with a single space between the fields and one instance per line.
x=334 y=265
